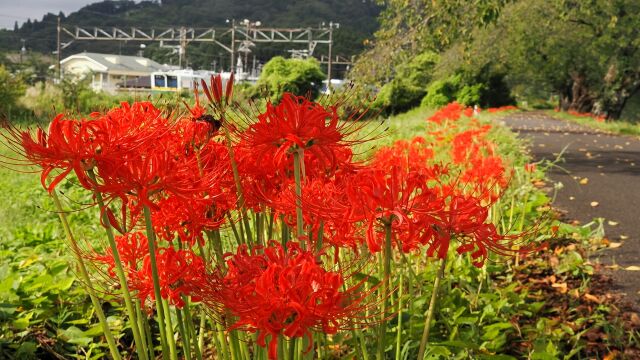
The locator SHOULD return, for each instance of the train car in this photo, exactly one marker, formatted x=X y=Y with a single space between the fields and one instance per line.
x=177 y=80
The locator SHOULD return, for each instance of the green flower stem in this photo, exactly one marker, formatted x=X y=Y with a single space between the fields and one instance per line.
x=84 y=274
x=320 y=236
x=431 y=310
x=235 y=230
x=184 y=334
x=236 y=179
x=122 y=278
x=191 y=331
x=386 y=258
x=201 y=329
x=151 y=237
x=298 y=157
x=148 y=338
x=169 y=324
x=260 y=227
x=270 y=228
x=399 y=328
x=285 y=231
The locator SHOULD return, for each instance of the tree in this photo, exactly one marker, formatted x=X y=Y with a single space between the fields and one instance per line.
x=410 y=28
x=586 y=52
x=297 y=76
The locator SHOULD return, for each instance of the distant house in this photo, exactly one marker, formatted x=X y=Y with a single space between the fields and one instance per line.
x=108 y=72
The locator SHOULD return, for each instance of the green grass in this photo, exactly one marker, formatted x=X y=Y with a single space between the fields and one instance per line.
x=613 y=126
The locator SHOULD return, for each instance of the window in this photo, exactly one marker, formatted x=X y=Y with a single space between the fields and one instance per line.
x=172 y=81
x=159 y=81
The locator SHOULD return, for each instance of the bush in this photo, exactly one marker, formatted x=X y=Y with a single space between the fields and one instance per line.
x=397 y=96
x=486 y=89
x=441 y=92
x=11 y=88
x=470 y=94
x=297 y=76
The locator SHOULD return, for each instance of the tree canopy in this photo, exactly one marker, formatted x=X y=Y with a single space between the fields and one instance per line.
x=586 y=53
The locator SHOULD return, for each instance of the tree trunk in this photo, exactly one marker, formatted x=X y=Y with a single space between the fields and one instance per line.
x=581 y=99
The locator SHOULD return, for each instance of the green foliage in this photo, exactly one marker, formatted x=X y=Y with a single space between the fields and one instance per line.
x=297 y=76
x=11 y=88
x=410 y=28
x=408 y=87
x=470 y=95
x=441 y=92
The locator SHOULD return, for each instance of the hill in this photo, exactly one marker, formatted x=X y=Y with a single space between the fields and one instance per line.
x=357 y=20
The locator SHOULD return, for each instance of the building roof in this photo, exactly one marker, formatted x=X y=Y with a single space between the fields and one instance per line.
x=124 y=64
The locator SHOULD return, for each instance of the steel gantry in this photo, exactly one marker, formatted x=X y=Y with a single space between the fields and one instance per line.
x=244 y=35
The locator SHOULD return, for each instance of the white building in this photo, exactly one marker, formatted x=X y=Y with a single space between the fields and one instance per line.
x=108 y=72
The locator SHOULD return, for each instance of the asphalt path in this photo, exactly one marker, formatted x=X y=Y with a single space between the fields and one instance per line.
x=600 y=173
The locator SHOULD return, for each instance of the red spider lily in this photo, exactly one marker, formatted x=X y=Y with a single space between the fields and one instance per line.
x=188 y=219
x=401 y=199
x=451 y=111
x=464 y=220
x=470 y=143
x=530 y=167
x=283 y=292
x=413 y=155
x=485 y=173
x=132 y=248
x=296 y=124
x=501 y=109
x=68 y=145
x=180 y=273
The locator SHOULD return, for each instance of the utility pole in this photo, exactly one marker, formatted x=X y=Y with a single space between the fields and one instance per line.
x=332 y=25
x=182 y=50
x=58 y=51
x=233 y=46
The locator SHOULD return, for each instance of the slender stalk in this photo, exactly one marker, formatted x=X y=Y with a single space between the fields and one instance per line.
x=298 y=157
x=84 y=274
x=151 y=237
x=285 y=231
x=260 y=227
x=399 y=332
x=271 y=221
x=184 y=334
x=431 y=310
x=385 y=287
x=236 y=179
x=122 y=278
x=235 y=230
x=191 y=328
x=169 y=324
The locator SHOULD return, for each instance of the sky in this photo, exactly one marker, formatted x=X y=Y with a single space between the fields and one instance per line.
x=21 y=10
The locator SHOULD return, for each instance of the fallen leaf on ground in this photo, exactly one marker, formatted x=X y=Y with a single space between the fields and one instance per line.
x=623 y=237
x=632 y=268
x=584 y=181
x=562 y=287
x=612 y=223
x=612 y=355
x=614 y=245
x=593 y=298
x=572 y=197
x=613 y=267
x=594 y=203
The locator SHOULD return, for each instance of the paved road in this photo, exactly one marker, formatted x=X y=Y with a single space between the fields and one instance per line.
x=597 y=167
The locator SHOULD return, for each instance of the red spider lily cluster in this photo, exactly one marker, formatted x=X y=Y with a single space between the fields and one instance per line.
x=220 y=170
x=501 y=109
x=598 y=118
